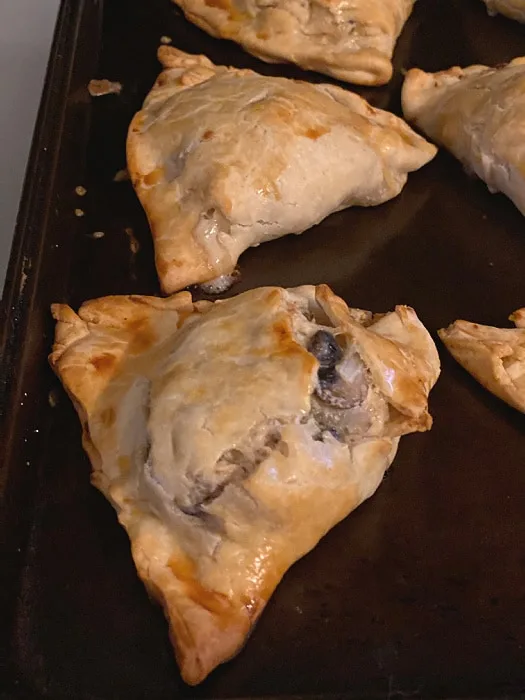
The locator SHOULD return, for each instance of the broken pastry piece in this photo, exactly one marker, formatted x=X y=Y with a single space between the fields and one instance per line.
x=224 y=159
x=477 y=113
x=493 y=356
x=352 y=41
x=231 y=436
x=515 y=9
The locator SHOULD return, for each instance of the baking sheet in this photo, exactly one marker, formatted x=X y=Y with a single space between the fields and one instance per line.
x=420 y=592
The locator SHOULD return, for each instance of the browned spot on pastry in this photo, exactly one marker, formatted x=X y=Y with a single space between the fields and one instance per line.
x=162 y=80
x=273 y=298
x=282 y=332
x=286 y=344
x=124 y=463
x=184 y=569
x=220 y=4
x=263 y=35
x=104 y=363
x=154 y=177
x=108 y=417
x=236 y=16
x=143 y=337
x=208 y=134
x=315 y=132
x=138 y=122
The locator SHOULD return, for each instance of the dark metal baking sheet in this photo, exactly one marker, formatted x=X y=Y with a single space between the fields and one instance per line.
x=419 y=593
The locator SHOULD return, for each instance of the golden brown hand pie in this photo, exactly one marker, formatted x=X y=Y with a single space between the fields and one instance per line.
x=478 y=113
x=224 y=159
x=515 y=9
x=352 y=41
x=231 y=436
x=493 y=356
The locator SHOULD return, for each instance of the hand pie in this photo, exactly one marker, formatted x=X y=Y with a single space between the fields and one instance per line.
x=349 y=41
x=224 y=159
x=493 y=356
x=231 y=436
x=515 y=9
x=478 y=113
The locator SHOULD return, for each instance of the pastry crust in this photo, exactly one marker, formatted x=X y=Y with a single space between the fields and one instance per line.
x=228 y=445
x=515 y=9
x=493 y=356
x=224 y=159
x=478 y=113
x=349 y=41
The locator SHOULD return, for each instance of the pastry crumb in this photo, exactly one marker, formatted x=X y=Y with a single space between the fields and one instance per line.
x=81 y=191
x=166 y=39
x=98 y=88
x=121 y=175
x=98 y=234
x=79 y=212
x=52 y=398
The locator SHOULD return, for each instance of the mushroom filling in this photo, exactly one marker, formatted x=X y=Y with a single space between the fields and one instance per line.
x=233 y=467
x=340 y=395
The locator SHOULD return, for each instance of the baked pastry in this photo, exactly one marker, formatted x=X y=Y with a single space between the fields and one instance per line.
x=493 y=356
x=352 y=41
x=515 y=9
x=224 y=159
x=478 y=113
x=231 y=436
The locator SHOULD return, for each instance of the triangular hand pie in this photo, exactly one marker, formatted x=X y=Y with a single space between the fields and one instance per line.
x=231 y=436
x=224 y=159
x=515 y=9
x=493 y=356
x=478 y=113
x=352 y=41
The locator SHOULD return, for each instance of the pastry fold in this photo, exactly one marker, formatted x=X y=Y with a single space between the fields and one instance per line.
x=224 y=159
x=493 y=356
x=477 y=113
x=351 y=41
x=231 y=436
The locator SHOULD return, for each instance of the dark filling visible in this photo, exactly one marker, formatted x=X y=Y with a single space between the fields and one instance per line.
x=331 y=388
x=326 y=349
x=337 y=400
x=235 y=466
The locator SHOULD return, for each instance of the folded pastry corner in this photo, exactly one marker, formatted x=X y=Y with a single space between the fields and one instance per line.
x=515 y=9
x=224 y=159
x=231 y=436
x=349 y=41
x=477 y=113
x=493 y=356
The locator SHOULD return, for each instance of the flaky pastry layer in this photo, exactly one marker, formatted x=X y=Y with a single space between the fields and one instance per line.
x=493 y=356
x=349 y=41
x=224 y=159
x=231 y=436
x=477 y=113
